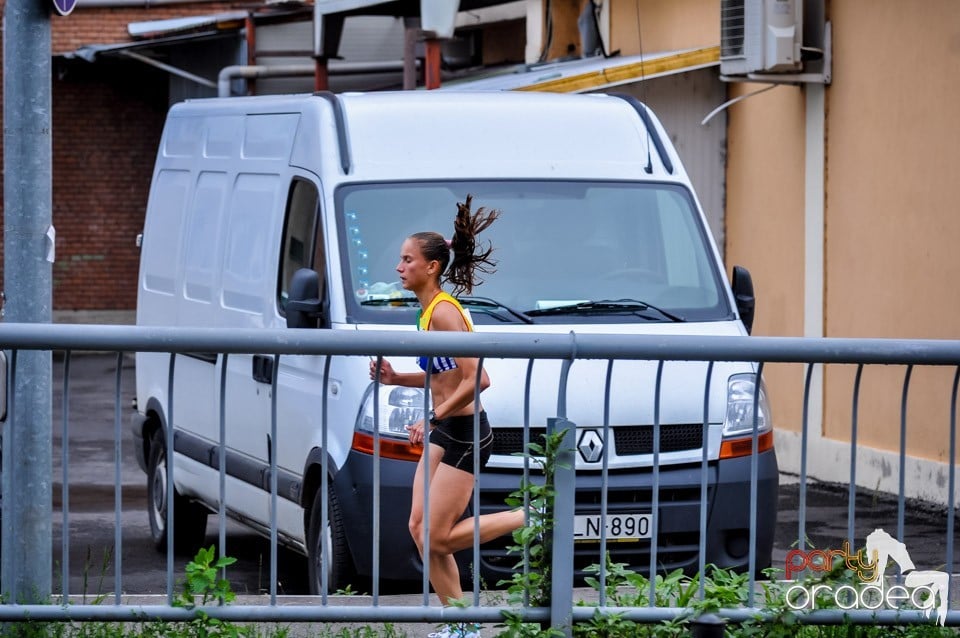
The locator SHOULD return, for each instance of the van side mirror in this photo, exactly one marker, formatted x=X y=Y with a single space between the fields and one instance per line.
x=304 y=307
x=742 y=285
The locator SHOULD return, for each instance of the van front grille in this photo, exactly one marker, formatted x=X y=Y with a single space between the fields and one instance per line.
x=629 y=440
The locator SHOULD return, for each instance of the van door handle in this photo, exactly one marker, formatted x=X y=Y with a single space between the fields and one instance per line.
x=263 y=368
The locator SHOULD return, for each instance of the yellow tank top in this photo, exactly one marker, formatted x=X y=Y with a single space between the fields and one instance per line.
x=425 y=315
x=439 y=364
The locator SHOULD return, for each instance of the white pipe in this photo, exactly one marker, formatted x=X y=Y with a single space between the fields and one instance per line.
x=249 y=72
x=334 y=67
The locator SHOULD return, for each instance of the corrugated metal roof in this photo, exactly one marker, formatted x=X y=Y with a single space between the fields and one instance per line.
x=590 y=74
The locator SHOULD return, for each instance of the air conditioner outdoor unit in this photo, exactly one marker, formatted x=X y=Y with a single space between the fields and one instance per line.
x=760 y=36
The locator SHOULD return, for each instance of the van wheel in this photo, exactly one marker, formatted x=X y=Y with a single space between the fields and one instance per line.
x=189 y=518
x=339 y=566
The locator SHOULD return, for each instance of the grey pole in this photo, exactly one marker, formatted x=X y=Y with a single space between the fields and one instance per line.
x=28 y=254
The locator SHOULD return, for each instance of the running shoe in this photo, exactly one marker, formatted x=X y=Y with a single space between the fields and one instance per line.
x=459 y=630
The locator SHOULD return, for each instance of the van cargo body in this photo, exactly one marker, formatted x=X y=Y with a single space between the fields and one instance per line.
x=254 y=198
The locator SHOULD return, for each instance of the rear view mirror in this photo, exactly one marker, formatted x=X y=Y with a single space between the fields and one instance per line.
x=742 y=285
x=304 y=307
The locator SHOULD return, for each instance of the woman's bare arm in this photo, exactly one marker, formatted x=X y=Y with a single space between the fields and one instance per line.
x=446 y=317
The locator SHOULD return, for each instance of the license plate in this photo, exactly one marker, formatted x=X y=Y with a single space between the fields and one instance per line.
x=620 y=527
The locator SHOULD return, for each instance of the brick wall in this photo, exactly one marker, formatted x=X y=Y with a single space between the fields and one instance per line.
x=107 y=121
x=106 y=25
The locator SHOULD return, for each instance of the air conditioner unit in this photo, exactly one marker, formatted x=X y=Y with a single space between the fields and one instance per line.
x=760 y=36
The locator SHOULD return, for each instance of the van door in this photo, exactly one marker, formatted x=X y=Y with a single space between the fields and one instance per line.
x=299 y=379
x=249 y=276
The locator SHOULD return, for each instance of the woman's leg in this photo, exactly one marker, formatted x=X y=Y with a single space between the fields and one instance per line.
x=450 y=491
x=416 y=505
x=492 y=526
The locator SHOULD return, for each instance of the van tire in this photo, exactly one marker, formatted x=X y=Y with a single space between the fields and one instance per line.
x=340 y=570
x=189 y=518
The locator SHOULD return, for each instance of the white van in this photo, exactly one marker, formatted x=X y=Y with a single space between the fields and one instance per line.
x=600 y=232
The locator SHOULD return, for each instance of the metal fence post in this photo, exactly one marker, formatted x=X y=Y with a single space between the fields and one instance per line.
x=707 y=626
x=565 y=479
x=28 y=255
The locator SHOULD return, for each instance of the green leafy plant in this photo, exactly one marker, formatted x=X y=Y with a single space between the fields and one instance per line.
x=203 y=584
x=722 y=588
x=530 y=583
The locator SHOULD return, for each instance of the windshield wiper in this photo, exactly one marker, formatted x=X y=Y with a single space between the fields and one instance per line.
x=389 y=301
x=611 y=306
x=484 y=303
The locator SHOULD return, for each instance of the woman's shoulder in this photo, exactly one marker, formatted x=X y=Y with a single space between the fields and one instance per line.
x=449 y=315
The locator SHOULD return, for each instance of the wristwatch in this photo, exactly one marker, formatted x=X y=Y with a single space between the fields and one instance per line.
x=434 y=421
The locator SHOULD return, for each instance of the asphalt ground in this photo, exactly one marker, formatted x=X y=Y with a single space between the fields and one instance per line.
x=92 y=520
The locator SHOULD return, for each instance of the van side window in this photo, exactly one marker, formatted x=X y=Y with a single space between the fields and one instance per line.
x=302 y=239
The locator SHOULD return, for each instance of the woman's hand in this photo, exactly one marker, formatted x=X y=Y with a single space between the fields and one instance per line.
x=415 y=432
x=387 y=375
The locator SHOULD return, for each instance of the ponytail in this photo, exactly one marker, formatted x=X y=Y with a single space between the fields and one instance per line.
x=468 y=257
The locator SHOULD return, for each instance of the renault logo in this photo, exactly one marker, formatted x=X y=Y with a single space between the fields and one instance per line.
x=590 y=446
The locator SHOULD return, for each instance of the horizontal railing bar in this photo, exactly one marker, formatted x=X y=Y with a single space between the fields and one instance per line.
x=479 y=344
x=267 y=613
x=351 y=613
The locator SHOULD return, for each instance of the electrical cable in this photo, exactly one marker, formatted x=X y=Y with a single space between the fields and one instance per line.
x=643 y=85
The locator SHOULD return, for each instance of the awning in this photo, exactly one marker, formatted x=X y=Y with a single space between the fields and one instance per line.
x=228 y=21
x=590 y=74
x=90 y=52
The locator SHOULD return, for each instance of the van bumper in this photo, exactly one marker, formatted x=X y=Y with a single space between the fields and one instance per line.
x=727 y=533
x=678 y=533
x=353 y=484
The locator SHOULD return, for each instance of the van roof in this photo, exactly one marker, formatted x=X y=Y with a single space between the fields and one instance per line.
x=476 y=134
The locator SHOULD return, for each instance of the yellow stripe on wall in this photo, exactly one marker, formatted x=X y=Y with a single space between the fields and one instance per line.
x=627 y=72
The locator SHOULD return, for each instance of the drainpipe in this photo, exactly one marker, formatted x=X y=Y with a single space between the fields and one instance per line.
x=251 y=32
x=248 y=72
x=431 y=74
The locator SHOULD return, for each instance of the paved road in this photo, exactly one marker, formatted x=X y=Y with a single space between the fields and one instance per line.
x=92 y=521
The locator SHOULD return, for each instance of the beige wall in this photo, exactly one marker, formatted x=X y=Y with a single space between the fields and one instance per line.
x=892 y=203
x=892 y=217
x=663 y=25
x=765 y=223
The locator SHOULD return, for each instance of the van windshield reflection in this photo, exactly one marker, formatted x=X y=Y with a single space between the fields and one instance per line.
x=561 y=249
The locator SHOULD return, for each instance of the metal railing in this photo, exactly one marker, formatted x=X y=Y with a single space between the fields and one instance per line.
x=569 y=348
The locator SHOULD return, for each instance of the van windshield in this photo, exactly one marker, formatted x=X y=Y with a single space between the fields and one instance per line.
x=566 y=252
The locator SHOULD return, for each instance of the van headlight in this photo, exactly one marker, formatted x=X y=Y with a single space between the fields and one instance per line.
x=398 y=408
x=741 y=389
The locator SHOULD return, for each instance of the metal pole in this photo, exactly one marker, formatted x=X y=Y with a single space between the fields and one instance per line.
x=28 y=254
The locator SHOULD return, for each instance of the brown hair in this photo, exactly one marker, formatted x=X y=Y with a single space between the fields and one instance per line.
x=468 y=256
